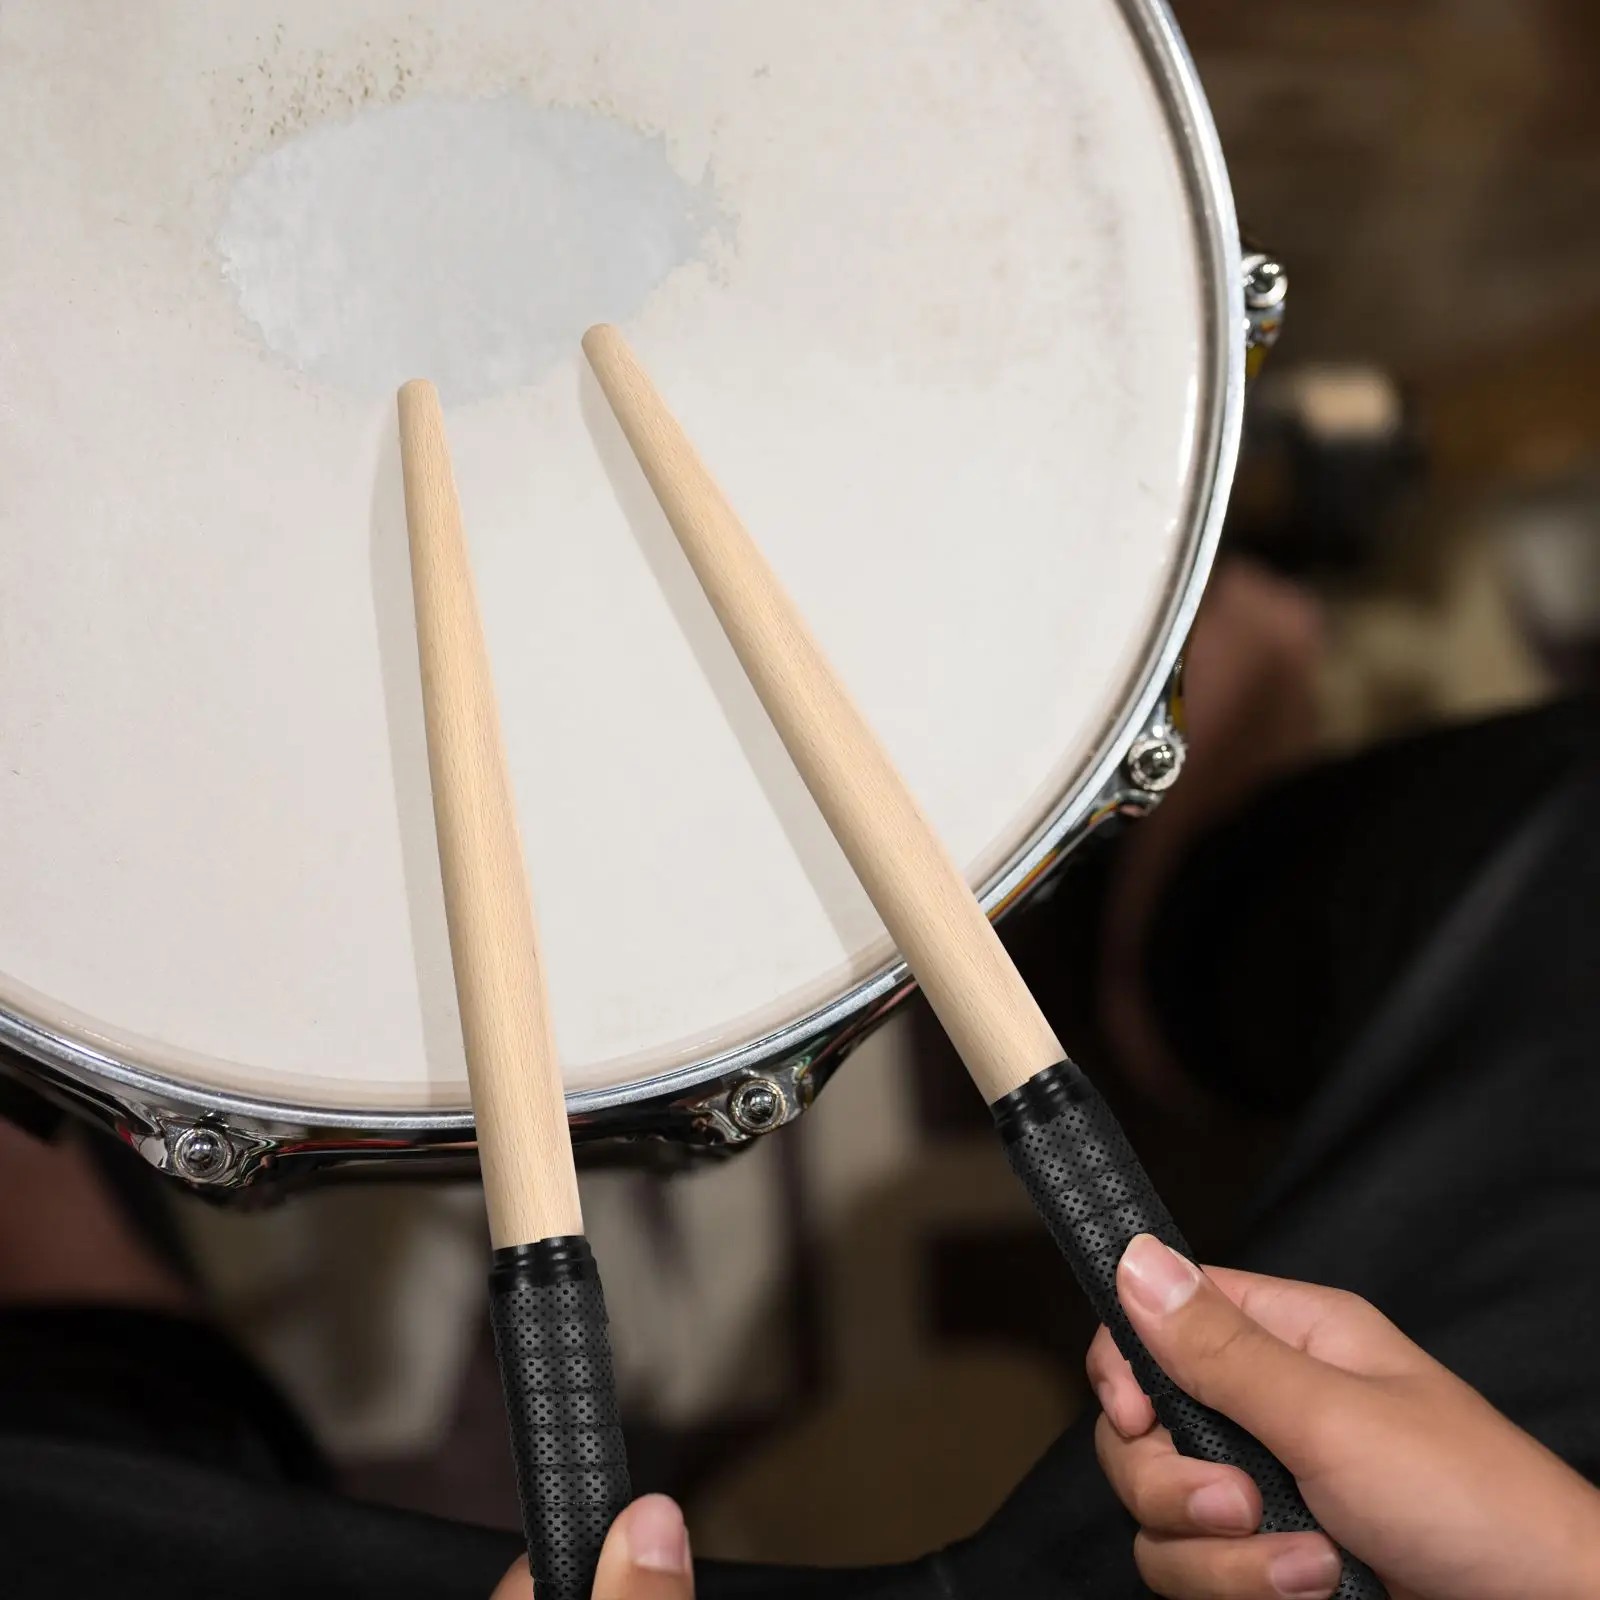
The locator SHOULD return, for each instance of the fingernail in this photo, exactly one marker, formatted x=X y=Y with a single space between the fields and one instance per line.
x=1222 y=1507
x=1306 y=1572
x=657 y=1538
x=1158 y=1279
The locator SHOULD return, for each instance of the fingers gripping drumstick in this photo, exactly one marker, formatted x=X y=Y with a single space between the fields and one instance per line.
x=1060 y=1137
x=545 y=1297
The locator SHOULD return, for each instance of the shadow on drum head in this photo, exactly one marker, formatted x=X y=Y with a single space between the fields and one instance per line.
x=830 y=874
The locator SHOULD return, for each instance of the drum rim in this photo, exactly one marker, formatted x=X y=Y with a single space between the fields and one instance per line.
x=94 y=1074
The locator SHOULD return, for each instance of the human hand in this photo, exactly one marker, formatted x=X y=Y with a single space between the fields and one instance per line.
x=1403 y=1463
x=645 y=1557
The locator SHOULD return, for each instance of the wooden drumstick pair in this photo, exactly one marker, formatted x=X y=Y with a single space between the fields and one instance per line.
x=1060 y=1137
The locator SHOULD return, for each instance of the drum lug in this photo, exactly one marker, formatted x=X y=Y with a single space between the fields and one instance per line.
x=1266 y=287
x=1155 y=759
x=754 y=1106
x=758 y=1105
x=206 y=1154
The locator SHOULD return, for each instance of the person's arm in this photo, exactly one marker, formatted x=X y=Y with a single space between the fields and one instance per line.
x=646 y=1557
x=1403 y=1463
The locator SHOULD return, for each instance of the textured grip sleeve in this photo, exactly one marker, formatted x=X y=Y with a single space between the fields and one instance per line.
x=1088 y=1185
x=549 y=1316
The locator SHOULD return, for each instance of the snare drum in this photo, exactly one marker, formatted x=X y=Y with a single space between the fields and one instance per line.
x=948 y=293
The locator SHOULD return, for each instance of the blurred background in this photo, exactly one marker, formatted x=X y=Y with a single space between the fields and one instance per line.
x=848 y=1344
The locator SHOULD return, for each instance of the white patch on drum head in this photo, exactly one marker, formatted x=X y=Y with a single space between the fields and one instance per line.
x=467 y=241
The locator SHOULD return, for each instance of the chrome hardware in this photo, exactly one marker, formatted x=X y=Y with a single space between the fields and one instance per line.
x=1265 y=283
x=202 y=1154
x=1154 y=763
x=757 y=1105
x=1266 y=287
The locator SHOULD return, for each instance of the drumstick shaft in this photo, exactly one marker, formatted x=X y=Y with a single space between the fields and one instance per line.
x=545 y=1300
x=517 y=1097
x=926 y=904
x=1061 y=1138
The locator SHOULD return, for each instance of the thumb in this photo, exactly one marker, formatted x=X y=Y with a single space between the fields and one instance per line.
x=646 y=1554
x=1226 y=1360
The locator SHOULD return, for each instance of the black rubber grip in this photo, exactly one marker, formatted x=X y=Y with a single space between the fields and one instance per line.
x=550 y=1332
x=1094 y=1196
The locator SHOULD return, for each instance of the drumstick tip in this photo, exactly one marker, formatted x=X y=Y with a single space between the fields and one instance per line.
x=601 y=339
x=416 y=400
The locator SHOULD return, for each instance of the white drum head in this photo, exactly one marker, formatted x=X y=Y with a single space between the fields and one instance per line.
x=926 y=283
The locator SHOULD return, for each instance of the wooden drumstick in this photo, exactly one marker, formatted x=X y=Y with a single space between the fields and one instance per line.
x=930 y=912
x=1060 y=1136
x=517 y=1098
x=546 y=1302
